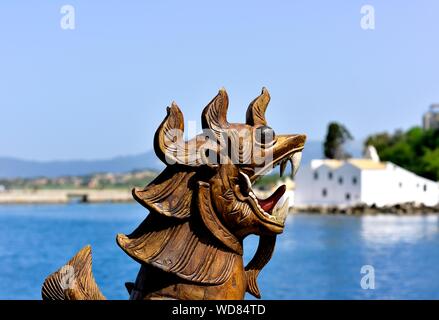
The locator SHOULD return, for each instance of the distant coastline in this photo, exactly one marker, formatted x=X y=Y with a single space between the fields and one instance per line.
x=66 y=196
x=409 y=208
x=59 y=196
x=95 y=188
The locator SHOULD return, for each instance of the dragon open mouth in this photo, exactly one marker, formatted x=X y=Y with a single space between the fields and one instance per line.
x=274 y=209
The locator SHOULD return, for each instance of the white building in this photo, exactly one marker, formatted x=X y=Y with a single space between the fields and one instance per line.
x=430 y=120
x=356 y=181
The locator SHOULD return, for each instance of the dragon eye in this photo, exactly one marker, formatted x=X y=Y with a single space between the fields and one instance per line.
x=265 y=135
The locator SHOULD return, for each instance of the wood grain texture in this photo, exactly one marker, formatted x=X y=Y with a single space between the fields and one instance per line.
x=183 y=249
x=200 y=210
x=74 y=281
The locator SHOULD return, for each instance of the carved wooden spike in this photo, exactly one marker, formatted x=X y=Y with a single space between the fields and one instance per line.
x=169 y=144
x=169 y=194
x=214 y=115
x=168 y=139
x=256 y=110
x=74 y=281
x=262 y=256
x=179 y=249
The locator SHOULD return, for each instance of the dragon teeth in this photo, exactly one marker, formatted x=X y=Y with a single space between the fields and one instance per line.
x=283 y=165
x=247 y=179
x=280 y=211
x=292 y=168
x=284 y=209
x=295 y=163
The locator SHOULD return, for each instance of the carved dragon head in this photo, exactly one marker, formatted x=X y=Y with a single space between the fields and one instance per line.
x=211 y=177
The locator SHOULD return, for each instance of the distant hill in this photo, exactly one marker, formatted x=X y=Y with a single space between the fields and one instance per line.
x=18 y=168
x=314 y=150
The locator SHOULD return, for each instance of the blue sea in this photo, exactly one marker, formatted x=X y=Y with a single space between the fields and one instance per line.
x=317 y=257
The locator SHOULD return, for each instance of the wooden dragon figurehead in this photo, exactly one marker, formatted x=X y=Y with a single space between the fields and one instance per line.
x=209 y=180
x=203 y=205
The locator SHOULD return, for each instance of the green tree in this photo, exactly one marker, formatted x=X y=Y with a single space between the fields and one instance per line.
x=336 y=137
x=416 y=150
x=430 y=164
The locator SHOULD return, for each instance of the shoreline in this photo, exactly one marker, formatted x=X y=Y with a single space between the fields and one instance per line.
x=408 y=208
x=65 y=196
x=91 y=196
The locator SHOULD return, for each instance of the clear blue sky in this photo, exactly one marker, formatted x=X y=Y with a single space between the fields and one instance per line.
x=101 y=90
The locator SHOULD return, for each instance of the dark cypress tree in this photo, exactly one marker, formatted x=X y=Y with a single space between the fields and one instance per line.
x=336 y=137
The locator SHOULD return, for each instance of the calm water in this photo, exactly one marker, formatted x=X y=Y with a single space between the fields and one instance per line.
x=317 y=257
